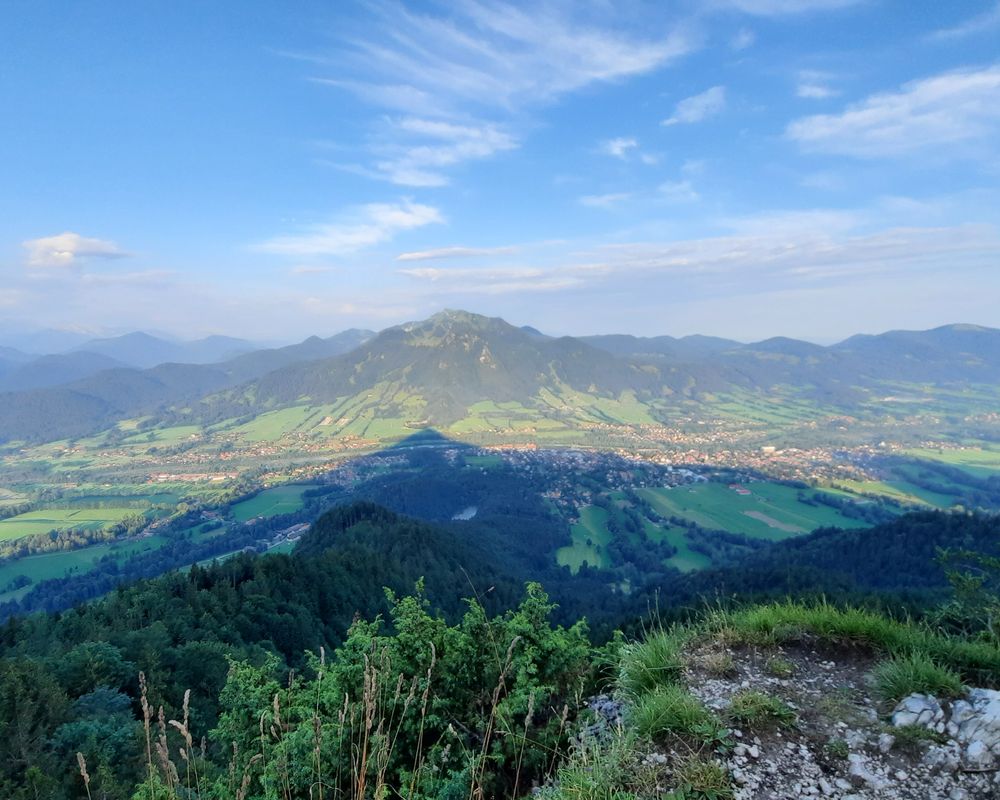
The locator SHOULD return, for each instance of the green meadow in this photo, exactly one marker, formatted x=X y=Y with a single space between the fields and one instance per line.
x=271 y=502
x=982 y=462
x=62 y=519
x=771 y=511
x=46 y=566
x=590 y=537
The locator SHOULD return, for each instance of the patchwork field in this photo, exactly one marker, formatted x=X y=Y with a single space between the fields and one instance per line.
x=40 y=522
x=271 y=502
x=981 y=462
x=590 y=537
x=769 y=511
x=46 y=566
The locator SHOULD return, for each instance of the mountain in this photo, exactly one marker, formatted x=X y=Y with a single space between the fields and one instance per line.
x=950 y=352
x=437 y=368
x=687 y=348
x=143 y=350
x=53 y=370
x=101 y=398
x=314 y=348
x=481 y=374
x=40 y=342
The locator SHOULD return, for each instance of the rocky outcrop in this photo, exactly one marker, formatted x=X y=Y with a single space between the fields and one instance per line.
x=844 y=744
x=972 y=723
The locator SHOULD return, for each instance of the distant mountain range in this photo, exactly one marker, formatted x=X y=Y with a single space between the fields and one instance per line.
x=442 y=370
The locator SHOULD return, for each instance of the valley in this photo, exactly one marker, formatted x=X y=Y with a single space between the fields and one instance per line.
x=641 y=455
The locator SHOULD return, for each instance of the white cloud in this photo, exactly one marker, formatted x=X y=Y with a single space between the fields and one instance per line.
x=67 y=249
x=743 y=39
x=776 y=250
x=699 y=107
x=151 y=277
x=981 y=23
x=679 y=191
x=603 y=200
x=370 y=225
x=454 y=252
x=470 y=73
x=814 y=85
x=492 y=54
x=618 y=148
x=492 y=281
x=779 y=8
x=419 y=163
x=946 y=109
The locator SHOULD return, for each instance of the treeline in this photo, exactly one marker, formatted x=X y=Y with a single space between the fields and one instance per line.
x=892 y=567
x=71 y=539
x=68 y=682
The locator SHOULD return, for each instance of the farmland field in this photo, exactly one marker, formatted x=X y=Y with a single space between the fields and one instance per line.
x=271 y=502
x=981 y=462
x=46 y=566
x=593 y=527
x=771 y=511
x=64 y=519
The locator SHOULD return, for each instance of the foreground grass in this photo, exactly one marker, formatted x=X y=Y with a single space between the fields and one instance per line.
x=976 y=662
x=911 y=658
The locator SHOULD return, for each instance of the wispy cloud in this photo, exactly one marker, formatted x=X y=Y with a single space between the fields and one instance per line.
x=438 y=145
x=505 y=280
x=700 y=106
x=781 y=8
x=68 y=249
x=678 y=191
x=743 y=39
x=618 y=148
x=149 y=277
x=367 y=226
x=603 y=200
x=815 y=85
x=796 y=249
x=464 y=76
x=981 y=23
x=455 y=252
x=953 y=107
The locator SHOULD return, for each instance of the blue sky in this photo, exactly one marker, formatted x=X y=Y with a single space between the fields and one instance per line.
x=745 y=168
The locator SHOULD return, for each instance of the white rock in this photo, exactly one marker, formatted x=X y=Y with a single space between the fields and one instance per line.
x=978 y=755
x=885 y=742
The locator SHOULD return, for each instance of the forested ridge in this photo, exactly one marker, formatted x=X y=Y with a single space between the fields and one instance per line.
x=215 y=644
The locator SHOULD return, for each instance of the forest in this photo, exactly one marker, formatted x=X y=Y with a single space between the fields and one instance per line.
x=215 y=645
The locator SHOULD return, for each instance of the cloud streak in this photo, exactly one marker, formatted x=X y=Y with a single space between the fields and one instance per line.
x=367 y=226
x=462 y=79
x=946 y=109
x=981 y=23
x=782 y=8
x=455 y=252
x=699 y=107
